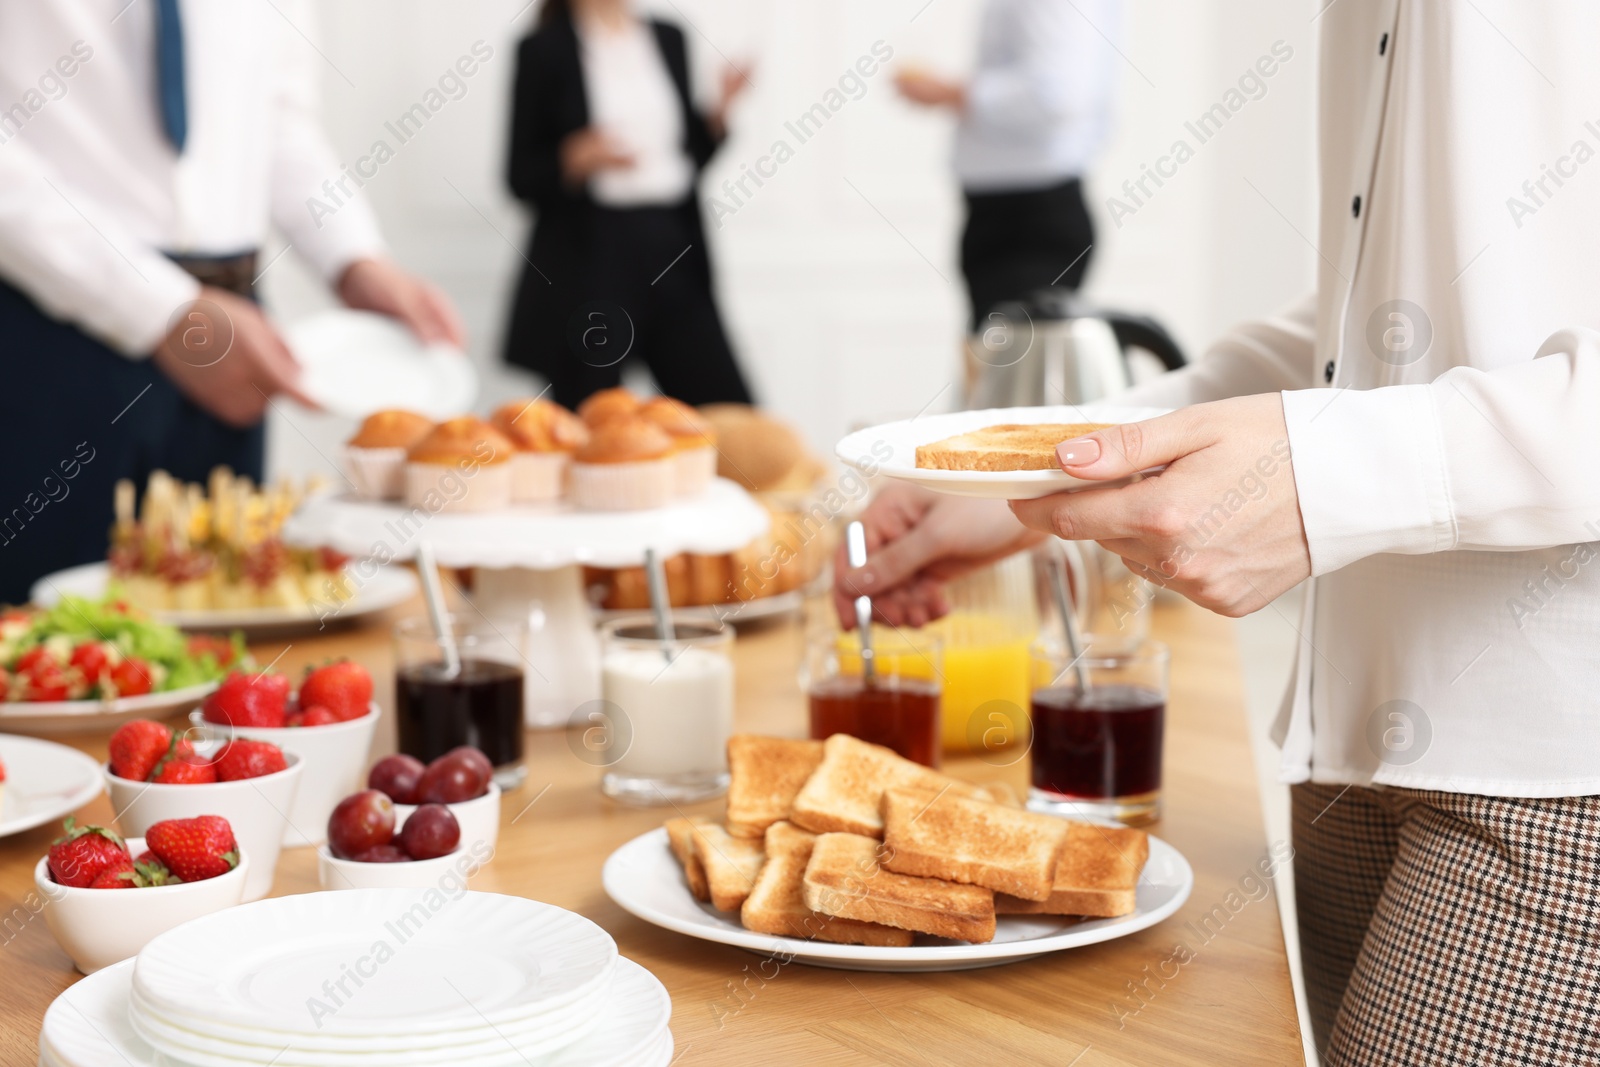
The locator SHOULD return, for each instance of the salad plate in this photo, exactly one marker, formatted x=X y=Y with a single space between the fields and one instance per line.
x=82 y=666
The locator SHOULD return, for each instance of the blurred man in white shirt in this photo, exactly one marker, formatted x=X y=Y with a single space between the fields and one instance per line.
x=145 y=150
x=1438 y=394
x=1031 y=117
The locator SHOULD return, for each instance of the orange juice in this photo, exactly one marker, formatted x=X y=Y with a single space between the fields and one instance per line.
x=986 y=690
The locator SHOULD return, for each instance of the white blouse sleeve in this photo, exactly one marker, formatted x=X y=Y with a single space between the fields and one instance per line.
x=1490 y=460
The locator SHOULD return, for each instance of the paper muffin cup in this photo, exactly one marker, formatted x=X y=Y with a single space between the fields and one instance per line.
x=622 y=486
x=693 y=469
x=485 y=487
x=376 y=473
x=538 y=477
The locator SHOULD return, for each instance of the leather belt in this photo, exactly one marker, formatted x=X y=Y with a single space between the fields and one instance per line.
x=236 y=273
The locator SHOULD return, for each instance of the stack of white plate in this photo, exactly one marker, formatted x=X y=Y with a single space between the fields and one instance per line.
x=391 y=976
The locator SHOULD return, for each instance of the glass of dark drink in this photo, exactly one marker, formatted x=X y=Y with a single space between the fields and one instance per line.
x=1097 y=748
x=476 y=702
x=897 y=707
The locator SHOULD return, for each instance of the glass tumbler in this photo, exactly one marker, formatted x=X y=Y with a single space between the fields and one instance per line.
x=477 y=702
x=670 y=710
x=896 y=707
x=1097 y=729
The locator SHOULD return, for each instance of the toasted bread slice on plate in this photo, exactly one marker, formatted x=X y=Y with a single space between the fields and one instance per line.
x=765 y=773
x=1096 y=875
x=845 y=794
x=1003 y=793
x=992 y=454
x=680 y=836
x=1007 y=447
x=843 y=878
x=975 y=842
x=731 y=863
x=777 y=903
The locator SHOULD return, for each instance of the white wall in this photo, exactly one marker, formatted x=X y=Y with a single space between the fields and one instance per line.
x=841 y=314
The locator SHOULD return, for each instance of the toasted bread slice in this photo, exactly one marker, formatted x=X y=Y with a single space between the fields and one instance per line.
x=1097 y=874
x=975 y=842
x=844 y=878
x=777 y=903
x=1008 y=447
x=1003 y=794
x=680 y=836
x=845 y=794
x=765 y=773
x=731 y=863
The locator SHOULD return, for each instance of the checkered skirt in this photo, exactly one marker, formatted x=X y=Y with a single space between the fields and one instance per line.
x=1447 y=928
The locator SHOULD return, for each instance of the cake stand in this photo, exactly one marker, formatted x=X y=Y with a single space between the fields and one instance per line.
x=529 y=564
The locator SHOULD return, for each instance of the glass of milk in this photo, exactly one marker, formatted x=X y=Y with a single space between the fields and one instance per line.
x=668 y=707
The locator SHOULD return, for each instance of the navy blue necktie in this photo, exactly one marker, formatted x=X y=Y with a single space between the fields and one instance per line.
x=169 y=73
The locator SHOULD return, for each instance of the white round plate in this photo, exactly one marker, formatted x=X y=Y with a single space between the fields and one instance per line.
x=377 y=589
x=892 y=449
x=96 y=716
x=721 y=519
x=356 y=362
x=643 y=878
x=45 y=782
x=735 y=613
x=436 y=960
x=88 y=1026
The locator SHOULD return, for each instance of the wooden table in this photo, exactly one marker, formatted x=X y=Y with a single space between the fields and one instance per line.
x=1224 y=997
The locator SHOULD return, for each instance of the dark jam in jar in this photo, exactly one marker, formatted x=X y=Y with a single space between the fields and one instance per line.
x=902 y=715
x=480 y=705
x=1097 y=743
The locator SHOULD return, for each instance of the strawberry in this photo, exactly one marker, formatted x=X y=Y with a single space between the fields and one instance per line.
x=315 y=715
x=195 y=849
x=118 y=874
x=249 y=700
x=151 y=871
x=343 y=687
x=248 y=759
x=139 y=745
x=186 y=770
x=78 y=857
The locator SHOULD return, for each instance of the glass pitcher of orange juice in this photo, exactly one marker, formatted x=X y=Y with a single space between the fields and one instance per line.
x=986 y=637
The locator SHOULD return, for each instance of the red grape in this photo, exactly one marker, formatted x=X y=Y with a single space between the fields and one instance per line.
x=451 y=779
x=397 y=776
x=384 y=854
x=475 y=757
x=361 y=821
x=430 y=832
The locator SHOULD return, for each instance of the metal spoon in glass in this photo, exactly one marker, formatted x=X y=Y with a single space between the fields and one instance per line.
x=855 y=539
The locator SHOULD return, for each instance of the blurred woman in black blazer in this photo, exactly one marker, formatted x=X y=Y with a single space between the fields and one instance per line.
x=606 y=146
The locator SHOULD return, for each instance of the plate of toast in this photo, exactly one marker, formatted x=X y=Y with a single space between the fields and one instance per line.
x=843 y=854
x=995 y=453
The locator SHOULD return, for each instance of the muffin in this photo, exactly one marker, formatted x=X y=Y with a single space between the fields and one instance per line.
x=464 y=464
x=609 y=404
x=545 y=435
x=626 y=466
x=375 y=458
x=694 y=443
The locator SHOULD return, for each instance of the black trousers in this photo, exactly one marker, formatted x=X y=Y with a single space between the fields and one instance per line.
x=1016 y=243
x=645 y=295
x=75 y=416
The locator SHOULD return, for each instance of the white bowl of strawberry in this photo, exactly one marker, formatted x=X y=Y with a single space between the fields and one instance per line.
x=180 y=870
x=461 y=779
x=329 y=723
x=154 y=775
